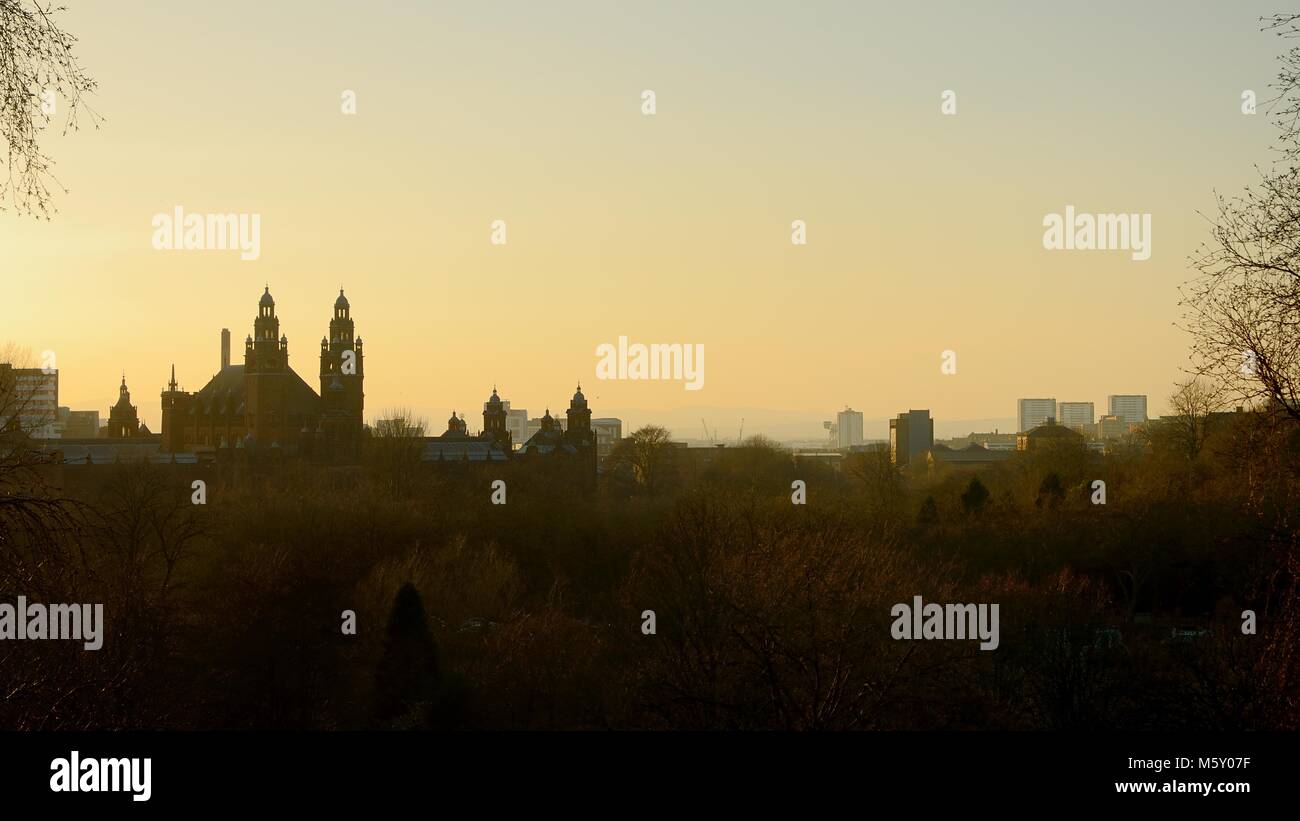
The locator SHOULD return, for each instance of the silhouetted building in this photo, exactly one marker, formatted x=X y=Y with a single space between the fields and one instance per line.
x=123 y=417
x=910 y=435
x=495 y=420
x=1049 y=435
x=574 y=445
x=457 y=445
x=342 y=370
x=972 y=456
x=263 y=405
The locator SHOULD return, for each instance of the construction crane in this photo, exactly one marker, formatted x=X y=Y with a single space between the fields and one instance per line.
x=711 y=437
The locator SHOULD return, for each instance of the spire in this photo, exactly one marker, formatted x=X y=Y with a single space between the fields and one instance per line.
x=171 y=386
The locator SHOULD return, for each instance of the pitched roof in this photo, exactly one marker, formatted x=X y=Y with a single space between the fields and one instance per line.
x=226 y=391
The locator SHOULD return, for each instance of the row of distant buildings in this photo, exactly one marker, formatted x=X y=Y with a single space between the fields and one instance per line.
x=522 y=427
x=1125 y=413
x=263 y=405
x=36 y=405
x=42 y=417
x=1038 y=421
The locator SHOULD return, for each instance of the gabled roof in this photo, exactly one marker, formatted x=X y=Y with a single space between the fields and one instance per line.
x=226 y=391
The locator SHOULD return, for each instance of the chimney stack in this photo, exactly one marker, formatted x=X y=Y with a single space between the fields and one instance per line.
x=225 y=348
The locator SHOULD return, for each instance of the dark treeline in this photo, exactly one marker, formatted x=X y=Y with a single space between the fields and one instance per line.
x=768 y=614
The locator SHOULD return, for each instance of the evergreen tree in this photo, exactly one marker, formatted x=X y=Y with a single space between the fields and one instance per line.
x=975 y=497
x=408 y=674
x=1051 y=492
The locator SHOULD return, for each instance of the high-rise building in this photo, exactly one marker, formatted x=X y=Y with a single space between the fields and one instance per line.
x=31 y=396
x=1132 y=408
x=1079 y=416
x=1030 y=413
x=517 y=424
x=849 y=428
x=608 y=432
x=78 y=424
x=911 y=434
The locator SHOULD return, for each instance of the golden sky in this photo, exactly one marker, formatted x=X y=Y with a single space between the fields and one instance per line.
x=924 y=230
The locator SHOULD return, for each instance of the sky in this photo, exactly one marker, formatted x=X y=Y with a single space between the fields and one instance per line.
x=924 y=230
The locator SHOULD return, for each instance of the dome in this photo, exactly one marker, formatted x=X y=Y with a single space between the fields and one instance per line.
x=578 y=397
x=266 y=299
x=342 y=301
x=494 y=399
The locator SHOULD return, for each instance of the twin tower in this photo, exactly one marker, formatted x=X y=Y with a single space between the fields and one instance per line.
x=263 y=405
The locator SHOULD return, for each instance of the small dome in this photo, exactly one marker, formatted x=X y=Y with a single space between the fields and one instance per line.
x=266 y=299
x=342 y=301
x=494 y=399
x=577 y=396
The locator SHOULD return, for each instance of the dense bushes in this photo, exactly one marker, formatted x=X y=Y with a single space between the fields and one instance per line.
x=768 y=614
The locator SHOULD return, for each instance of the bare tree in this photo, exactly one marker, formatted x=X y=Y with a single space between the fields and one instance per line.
x=394 y=449
x=38 y=74
x=1243 y=308
x=1192 y=402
